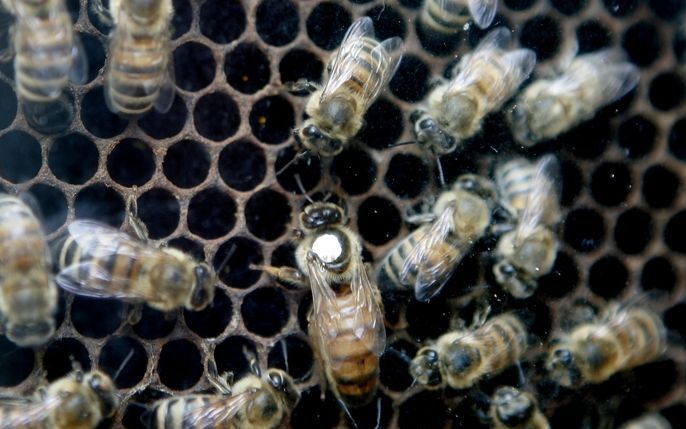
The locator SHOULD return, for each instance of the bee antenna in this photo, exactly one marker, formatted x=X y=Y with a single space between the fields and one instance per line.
x=441 y=176
x=350 y=416
x=285 y=353
x=299 y=181
x=401 y=355
x=403 y=143
x=123 y=365
x=295 y=159
x=226 y=259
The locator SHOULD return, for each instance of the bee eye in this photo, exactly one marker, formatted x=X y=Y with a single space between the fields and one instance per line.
x=508 y=270
x=564 y=356
x=431 y=356
x=427 y=124
x=277 y=380
x=312 y=132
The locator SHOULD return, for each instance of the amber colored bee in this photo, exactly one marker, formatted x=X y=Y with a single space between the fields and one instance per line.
x=447 y=17
x=516 y=409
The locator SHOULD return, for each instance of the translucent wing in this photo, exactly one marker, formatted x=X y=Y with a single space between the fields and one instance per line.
x=78 y=73
x=618 y=75
x=544 y=189
x=432 y=269
x=165 y=98
x=218 y=412
x=21 y=412
x=326 y=312
x=365 y=297
x=498 y=38
x=392 y=50
x=483 y=11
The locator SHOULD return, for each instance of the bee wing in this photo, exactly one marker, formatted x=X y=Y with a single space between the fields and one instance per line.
x=165 y=98
x=520 y=64
x=78 y=74
x=217 y=412
x=483 y=11
x=544 y=185
x=431 y=272
x=365 y=296
x=498 y=38
x=619 y=76
x=325 y=309
x=22 y=412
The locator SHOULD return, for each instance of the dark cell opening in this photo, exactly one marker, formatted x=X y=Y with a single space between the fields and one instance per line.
x=277 y=22
x=272 y=119
x=216 y=116
x=666 y=91
x=241 y=253
x=311 y=411
x=267 y=213
x=186 y=164
x=541 y=34
x=383 y=124
x=154 y=324
x=230 y=356
x=52 y=117
x=201 y=74
x=376 y=414
x=16 y=364
x=572 y=182
x=633 y=231
x=85 y=310
x=562 y=278
x=327 y=25
x=410 y=82
x=589 y=139
x=265 y=311
x=654 y=380
x=411 y=4
x=394 y=365
x=427 y=319
x=667 y=9
x=378 y=220
x=242 y=165
x=60 y=356
x=299 y=64
x=425 y=410
x=608 y=277
x=131 y=162
x=247 y=68
x=658 y=274
x=355 y=169
x=20 y=156
x=97 y=118
x=610 y=183
x=180 y=364
x=95 y=53
x=475 y=34
x=519 y=4
x=303 y=311
x=164 y=125
x=592 y=36
x=641 y=42
x=569 y=7
x=677 y=139
x=125 y=360
x=160 y=211
x=211 y=213
x=188 y=246
x=308 y=167
x=660 y=186
x=53 y=206
x=73 y=7
x=293 y=355
x=136 y=416
x=674 y=319
x=675 y=231
x=636 y=135
x=222 y=21
x=100 y=202
x=436 y=43
x=584 y=229
x=675 y=414
x=72 y=169
x=211 y=321
x=8 y=108
x=387 y=22
x=95 y=18
x=407 y=175
x=620 y=8
x=61 y=308
x=182 y=19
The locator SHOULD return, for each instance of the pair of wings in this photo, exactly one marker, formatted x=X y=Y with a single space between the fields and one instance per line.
x=482 y=11
x=24 y=412
x=347 y=60
x=218 y=412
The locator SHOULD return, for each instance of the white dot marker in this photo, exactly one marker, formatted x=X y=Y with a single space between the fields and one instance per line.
x=327 y=247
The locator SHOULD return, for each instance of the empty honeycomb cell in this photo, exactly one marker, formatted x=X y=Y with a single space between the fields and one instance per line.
x=633 y=231
x=312 y=411
x=299 y=64
x=589 y=139
x=125 y=360
x=575 y=414
x=73 y=7
x=654 y=380
x=303 y=311
x=677 y=139
x=383 y=124
x=387 y=22
x=272 y=119
x=182 y=18
x=400 y=182
x=427 y=320
x=267 y=213
x=410 y=81
x=276 y=21
x=95 y=53
x=326 y=25
x=201 y=74
x=376 y=414
x=247 y=68
x=378 y=220
x=233 y=259
x=265 y=311
x=562 y=278
x=592 y=36
x=110 y=314
x=17 y=362
x=394 y=365
x=675 y=414
x=186 y=164
x=667 y=9
x=97 y=118
x=608 y=277
x=99 y=202
x=188 y=246
x=20 y=156
x=611 y=183
x=154 y=324
x=160 y=211
x=66 y=166
x=308 y=167
x=222 y=21
x=8 y=108
x=425 y=410
x=61 y=355
x=242 y=165
x=584 y=229
x=658 y=273
x=136 y=416
x=674 y=319
x=542 y=34
x=679 y=46
x=164 y=125
x=53 y=206
x=675 y=231
x=211 y=321
x=211 y=213
x=666 y=91
x=61 y=308
x=641 y=41
x=636 y=135
x=435 y=43
x=216 y=116
x=284 y=255
x=234 y=355
x=569 y=7
x=572 y=182
x=621 y=8
x=519 y=4
x=660 y=186
x=292 y=355
x=355 y=169
x=180 y=364
x=412 y=4
x=131 y=162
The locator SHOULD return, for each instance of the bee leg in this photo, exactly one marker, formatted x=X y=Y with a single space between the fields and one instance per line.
x=133 y=220
x=286 y=274
x=420 y=218
x=134 y=314
x=222 y=383
x=301 y=86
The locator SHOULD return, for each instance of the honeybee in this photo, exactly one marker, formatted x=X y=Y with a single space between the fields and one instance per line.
x=76 y=401
x=515 y=409
x=461 y=358
x=138 y=71
x=648 y=421
x=529 y=194
x=482 y=81
x=28 y=296
x=254 y=402
x=447 y=17
x=593 y=352
x=359 y=71
x=549 y=107
x=424 y=260
x=346 y=322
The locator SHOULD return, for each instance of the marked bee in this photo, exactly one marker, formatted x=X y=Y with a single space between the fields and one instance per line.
x=461 y=358
x=648 y=421
x=28 y=296
x=346 y=321
x=516 y=409
x=447 y=17
x=424 y=260
x=621 y=339
x=551 y=106
x=76 y=401
x=482 y=81
x=528 y=193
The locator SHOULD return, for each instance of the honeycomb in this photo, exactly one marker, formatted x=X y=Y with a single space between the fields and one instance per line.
x=204 y=178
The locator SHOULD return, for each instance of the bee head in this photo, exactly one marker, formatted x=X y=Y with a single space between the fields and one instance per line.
x=425 y=368
x=429 y=134
x=511 y=279
x=477 y=185
x=313 y=139
x=203 y=288
x=284 y=386
x=512 y=407
x=322 y=215
x=103 y=387
x=461 y=108
x=563 y=368
x=461 y=359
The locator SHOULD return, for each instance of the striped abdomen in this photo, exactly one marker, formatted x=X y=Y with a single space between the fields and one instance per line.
x=640 y=337
x=368 y=68
x=444 y=16
x=503 y=341
x=515 y=180
x=182 y=413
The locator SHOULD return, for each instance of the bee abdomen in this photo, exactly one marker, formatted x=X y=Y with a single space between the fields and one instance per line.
x=178 y=413
x=641 y=337
x=506 y=337
x=368 y=64
x=392 y=266
x=443 y=16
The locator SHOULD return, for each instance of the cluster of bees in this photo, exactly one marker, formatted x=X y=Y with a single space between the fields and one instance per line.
x=518 y=206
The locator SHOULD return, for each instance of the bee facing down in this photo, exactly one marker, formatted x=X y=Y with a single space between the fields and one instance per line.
x=447 y=17
x=28 y=296
x=424 y=260
x=648 y=421
x=360 y=69
x=593 y=352
x=549 y=107
x=515 y=409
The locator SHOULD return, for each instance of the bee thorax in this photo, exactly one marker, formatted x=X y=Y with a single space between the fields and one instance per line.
x=328 y=247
